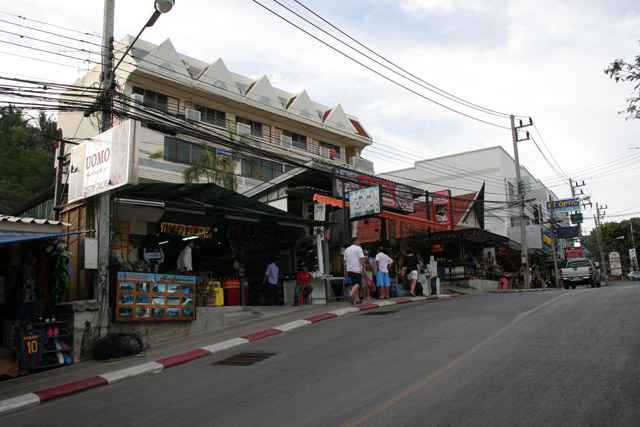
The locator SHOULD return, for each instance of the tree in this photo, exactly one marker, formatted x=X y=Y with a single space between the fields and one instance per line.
x=27 y=161
x=619 y=70
x=611 y=233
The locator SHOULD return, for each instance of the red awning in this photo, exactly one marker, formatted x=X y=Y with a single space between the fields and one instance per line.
x=386 y=214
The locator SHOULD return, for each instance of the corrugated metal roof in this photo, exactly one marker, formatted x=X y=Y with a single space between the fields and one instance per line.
x=24 y=220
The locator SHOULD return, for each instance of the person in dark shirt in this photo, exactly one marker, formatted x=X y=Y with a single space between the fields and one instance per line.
x=411 y=268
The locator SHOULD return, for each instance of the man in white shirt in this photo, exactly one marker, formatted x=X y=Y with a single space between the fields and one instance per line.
x=383 y=262
x=185 y=259
x=353 y=268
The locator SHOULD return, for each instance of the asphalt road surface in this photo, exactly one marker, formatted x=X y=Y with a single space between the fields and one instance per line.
x=557 y=358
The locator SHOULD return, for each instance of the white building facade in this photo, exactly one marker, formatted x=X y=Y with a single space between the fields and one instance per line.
x=161 y=87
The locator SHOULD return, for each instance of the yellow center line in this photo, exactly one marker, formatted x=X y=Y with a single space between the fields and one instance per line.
x=418 y=385
x=151 y=353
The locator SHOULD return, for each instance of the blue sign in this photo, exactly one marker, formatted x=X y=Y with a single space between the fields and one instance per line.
x=568 y=232
x=565 y=205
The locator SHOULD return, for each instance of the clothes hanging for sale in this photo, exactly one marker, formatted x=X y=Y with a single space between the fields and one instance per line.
x=29 y=283
x=61 y=282
x=30 y=345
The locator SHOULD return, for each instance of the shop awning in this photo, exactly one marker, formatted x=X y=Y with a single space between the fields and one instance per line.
x=386 y=214
x=8 y=237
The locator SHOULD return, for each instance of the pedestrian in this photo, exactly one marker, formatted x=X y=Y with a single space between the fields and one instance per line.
x=271 y=279
x=302 y=284
x=369 y=273
x=185 y=259
x=383 y=262
x=432 y=274
x=353 y=268
x=410 y=268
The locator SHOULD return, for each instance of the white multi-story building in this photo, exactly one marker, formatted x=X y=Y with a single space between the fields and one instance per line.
x=161 y=85
x=464 y=172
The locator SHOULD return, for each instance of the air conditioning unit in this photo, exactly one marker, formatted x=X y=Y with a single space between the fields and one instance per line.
x=363 y=163
x=244 y=130
x=286 y=142
x=138 y=98
x=193 y=115
x=324 y=152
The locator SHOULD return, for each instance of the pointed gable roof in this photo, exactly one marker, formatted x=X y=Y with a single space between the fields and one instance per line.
x=302 y=106
x=217 y=75
x=336 y=117
x=164 y=59
x=262 y=91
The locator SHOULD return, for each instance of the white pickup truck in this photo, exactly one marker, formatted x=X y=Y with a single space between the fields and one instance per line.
x=580 y=271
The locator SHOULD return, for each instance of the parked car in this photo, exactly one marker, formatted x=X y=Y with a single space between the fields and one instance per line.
x=634 y=275
x=580 y=271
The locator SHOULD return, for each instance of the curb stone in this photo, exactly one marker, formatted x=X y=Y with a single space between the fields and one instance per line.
x=30 y=400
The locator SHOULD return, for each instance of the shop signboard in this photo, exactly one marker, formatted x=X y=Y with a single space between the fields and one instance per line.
x=564 y=205
x=633 y=258
x=105 y=162
x=615 y=263
x=154 y=297
x=365 y=202
x=573 y=252
x=437 y=247
x=441 y=207
x=394 y=196
x=568 y=232
x=547 y=240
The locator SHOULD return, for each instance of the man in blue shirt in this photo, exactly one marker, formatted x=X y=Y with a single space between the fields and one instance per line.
x=271 y=280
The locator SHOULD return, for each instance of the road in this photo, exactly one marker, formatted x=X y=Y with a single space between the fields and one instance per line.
x=557 y=358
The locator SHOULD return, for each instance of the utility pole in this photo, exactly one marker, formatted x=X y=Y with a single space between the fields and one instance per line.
x=599 y=234
x=574 y=186
x=554 y=244
x=523 y=229
x=633 y=242
x=103 y=201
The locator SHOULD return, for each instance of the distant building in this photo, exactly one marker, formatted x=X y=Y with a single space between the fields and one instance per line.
x=495 y=168
x=159 y=83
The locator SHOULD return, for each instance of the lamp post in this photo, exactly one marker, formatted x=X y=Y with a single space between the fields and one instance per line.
x=103 y=208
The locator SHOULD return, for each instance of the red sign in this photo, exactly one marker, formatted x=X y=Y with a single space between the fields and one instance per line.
x=437 y=247
x=573 y=252
x=441 y=207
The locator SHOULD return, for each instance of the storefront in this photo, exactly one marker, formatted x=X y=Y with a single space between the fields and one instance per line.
x=34 y=278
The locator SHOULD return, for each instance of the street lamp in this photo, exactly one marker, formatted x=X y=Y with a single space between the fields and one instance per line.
x=161 y=6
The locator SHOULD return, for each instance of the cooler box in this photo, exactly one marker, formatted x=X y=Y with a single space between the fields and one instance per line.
x=232 y=292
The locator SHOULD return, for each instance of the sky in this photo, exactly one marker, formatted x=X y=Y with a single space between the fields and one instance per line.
x=542 y=59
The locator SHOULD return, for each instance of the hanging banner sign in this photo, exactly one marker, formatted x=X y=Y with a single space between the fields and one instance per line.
x=633 y=258
x=565 y=205
x=547 y=240
x=394 y=196
x=441 y=207
x=568 y=232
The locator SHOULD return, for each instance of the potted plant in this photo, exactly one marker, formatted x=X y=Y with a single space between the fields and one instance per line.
x=210 y=292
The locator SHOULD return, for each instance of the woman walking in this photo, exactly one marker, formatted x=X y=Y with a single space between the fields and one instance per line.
x=410 y=268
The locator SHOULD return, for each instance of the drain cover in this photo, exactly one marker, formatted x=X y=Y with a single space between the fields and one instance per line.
x=244 y=359
x=378 y=313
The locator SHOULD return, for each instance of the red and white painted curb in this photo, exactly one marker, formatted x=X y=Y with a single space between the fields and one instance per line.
x=30 y=400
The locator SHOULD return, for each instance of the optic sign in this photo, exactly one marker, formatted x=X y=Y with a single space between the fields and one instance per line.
x=573 y=252
x=565 y=205
x=105 y=162
x=365 y=202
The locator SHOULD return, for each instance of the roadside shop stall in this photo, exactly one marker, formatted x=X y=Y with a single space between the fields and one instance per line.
x=34 y=276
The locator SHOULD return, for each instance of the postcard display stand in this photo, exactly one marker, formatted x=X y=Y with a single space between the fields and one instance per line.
x=153 y=297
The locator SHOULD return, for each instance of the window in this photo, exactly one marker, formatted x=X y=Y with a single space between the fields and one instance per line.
x=215 y=117
x=256 y=127
x=330 y=147
x=180 y=151
x=261 y=169
x=153 y=99
x=297 y=140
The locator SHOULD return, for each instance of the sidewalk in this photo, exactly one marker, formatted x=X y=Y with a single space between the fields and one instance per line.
x=32 y=390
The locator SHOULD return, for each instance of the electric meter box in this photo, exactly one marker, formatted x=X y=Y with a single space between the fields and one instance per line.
x=89 y=253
